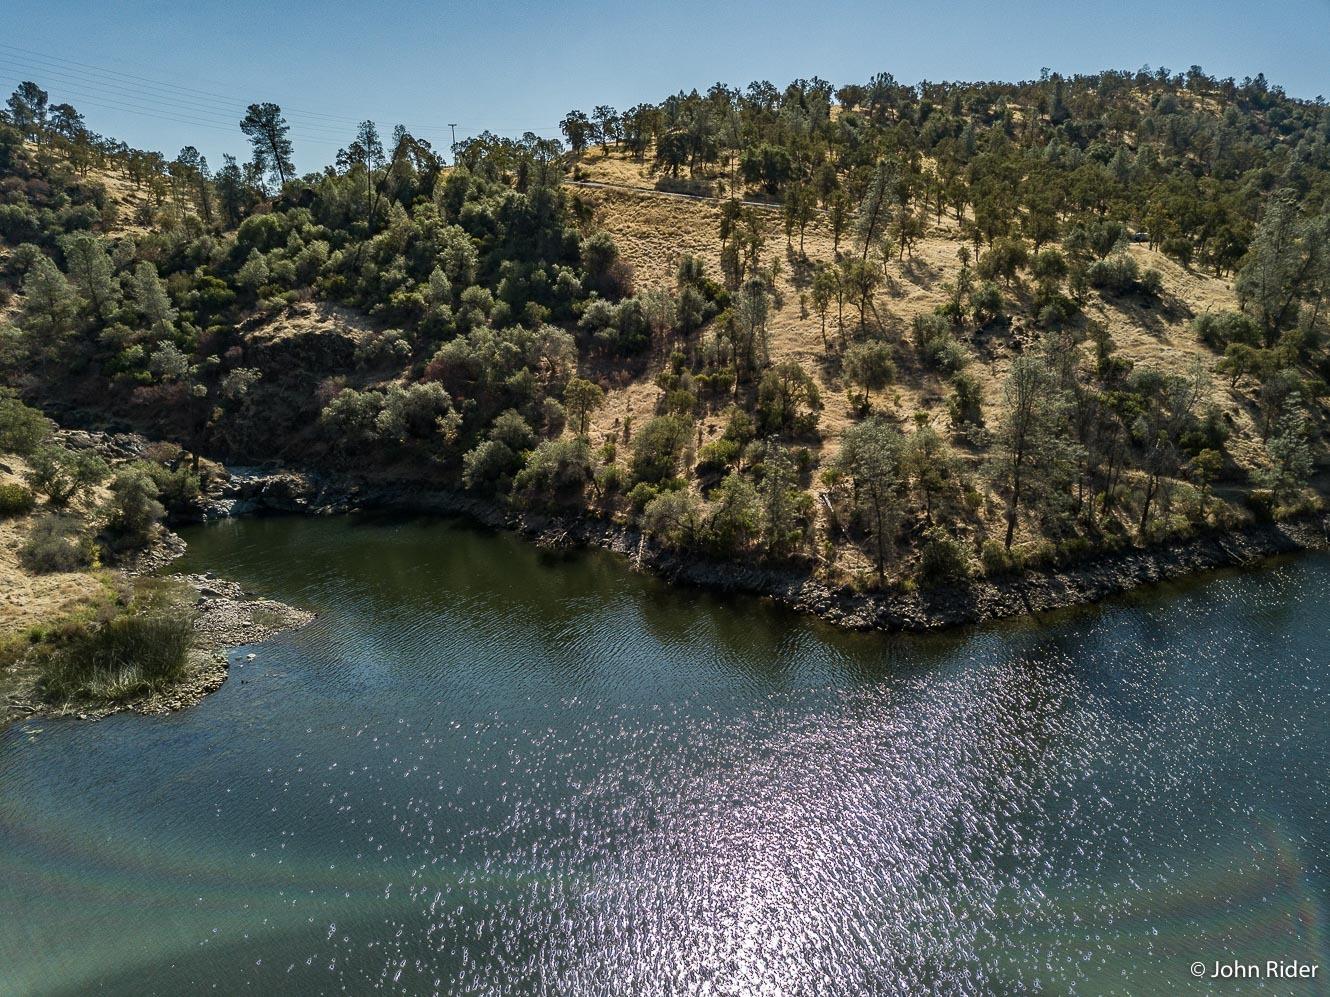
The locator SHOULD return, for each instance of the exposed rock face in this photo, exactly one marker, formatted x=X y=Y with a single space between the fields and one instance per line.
x=114 y=447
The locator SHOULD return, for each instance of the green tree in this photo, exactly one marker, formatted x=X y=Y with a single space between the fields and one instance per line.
x=870 y=459
x=1291 y=463
x=50 y=310
x=269 y=137
x=870 y=366
x=875 y=208
x=781 y=502
x=90 y=267
x=578 y=129
x=657 y=447
x=788 y=399
x=28 y=106
x=1029 y=444
x=1284 y=258
x=151 y=300
x=22 y=429
x=581 y=398
x=132 y=510
x=64 y=475
x=735 y=514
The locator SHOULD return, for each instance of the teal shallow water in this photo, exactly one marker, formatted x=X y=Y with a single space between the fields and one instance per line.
x=485 y=770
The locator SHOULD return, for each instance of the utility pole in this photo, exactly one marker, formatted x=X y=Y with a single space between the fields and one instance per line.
x=453 y=148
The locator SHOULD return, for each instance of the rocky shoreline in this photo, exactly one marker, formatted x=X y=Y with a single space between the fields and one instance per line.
x=227 y=617
x=1027 y=592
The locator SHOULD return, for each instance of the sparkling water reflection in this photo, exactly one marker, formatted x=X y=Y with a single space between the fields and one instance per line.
x=482 y=770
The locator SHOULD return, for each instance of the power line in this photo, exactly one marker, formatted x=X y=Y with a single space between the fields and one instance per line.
x=108 y=89
x=159 y=84
x=201 y=99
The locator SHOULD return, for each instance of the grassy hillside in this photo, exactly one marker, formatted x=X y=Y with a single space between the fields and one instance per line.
x=897 y=335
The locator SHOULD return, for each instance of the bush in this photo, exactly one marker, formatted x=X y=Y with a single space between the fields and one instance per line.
x=937 y=347
x=657 y=447
x=61 y=475
x=56 y=543
x=1217 y=329
x=1119 y=274
x=1261 y=502
x=997 y=560
x=715 y=457
x=178 y=490
x=943 y=561
x=674 y=518
x=133 y=509
x=22 y=429
x=556 y=468
x=16 y=500
x=641 y=495
x=964 y=406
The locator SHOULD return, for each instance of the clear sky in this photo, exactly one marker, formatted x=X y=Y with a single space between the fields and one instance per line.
x=161 y=75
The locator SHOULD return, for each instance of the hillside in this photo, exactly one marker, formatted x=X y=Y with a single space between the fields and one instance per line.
x=890 y=336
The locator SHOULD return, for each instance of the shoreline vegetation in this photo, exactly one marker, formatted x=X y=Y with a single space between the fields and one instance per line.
x=221 y=616
x=144 y=643
x=1028 y=590
x=1023 y=344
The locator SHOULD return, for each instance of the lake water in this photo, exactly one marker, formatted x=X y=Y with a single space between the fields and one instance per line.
x=484 y=769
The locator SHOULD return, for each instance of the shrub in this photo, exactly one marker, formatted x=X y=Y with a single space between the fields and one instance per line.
x=555 y=468
x=178 y=490
x=937 y=347
x=964 y=405
x=657 y=447
x=997 y=560
x=56 y=543
x=488 y=464
x=22 y=429
x=943 y=560
x=674 y=518
x=715 y=457
x=641 y=495
x=61 y=475
x=1261 y=502
x=1217 y=329
x=870 y=365
x=1118 y=274
x=133 y=509
x=16 y=500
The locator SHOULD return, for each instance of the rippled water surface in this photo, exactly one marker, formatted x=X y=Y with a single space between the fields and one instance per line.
x=485 y=770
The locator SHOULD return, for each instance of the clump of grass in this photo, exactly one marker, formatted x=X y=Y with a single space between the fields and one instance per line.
x=57 y=542
x=136 y=642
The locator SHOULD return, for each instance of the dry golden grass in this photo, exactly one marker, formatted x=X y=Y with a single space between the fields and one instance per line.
x=654 y=231
x=27 y=599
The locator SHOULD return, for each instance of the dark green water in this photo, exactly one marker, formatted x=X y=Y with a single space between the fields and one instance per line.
x=485 y=771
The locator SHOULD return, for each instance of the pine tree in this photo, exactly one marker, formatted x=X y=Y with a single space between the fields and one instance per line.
x=269 y=136
x=151 y=301
x=870 y=457
x=90 y=266
x=50 y=309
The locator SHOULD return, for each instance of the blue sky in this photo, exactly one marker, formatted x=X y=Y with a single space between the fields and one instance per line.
x=162 y=75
